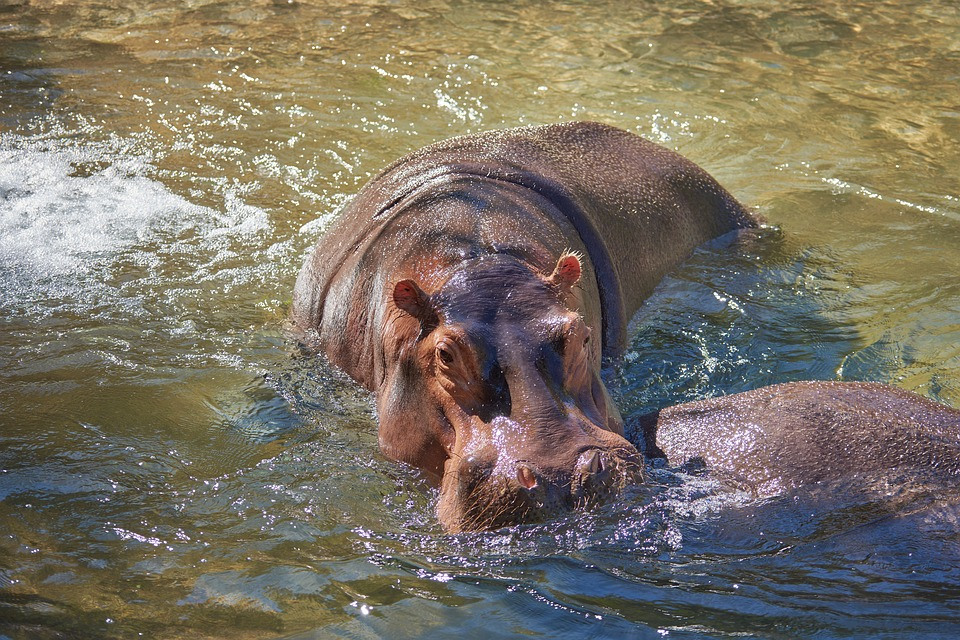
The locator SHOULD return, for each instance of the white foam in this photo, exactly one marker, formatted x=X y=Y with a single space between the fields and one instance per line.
x=69 y=210
x=241 y=218
x=63 y=209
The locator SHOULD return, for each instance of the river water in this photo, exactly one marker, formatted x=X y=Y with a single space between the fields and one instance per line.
x=172 y=466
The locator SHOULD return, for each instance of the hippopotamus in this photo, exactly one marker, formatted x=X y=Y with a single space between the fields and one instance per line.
x=476 y=287
x=779 y=438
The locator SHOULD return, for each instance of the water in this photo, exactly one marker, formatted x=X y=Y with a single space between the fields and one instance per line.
x=172 y=466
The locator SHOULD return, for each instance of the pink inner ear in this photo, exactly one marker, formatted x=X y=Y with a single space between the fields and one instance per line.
x=407 y=296
x=567 y=272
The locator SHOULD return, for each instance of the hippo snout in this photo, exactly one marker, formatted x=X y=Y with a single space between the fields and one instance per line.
x=483 y=491
x=596 y=477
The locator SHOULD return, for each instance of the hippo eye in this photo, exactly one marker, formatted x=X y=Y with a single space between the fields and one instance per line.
x=586 y=339
x=446 y=357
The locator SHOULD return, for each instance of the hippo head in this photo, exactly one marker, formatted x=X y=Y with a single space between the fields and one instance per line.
x=493 y=388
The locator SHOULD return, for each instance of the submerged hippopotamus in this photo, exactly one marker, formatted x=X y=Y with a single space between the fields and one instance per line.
x=783 y=437
x=475 y=286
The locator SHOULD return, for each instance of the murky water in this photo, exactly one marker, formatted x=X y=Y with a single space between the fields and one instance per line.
x=171 y=466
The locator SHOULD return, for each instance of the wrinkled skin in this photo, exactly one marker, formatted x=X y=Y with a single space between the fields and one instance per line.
x=786 y=436
x=475 y=287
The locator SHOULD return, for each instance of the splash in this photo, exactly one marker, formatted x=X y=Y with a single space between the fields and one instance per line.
x=69 y=212
x=64 y=210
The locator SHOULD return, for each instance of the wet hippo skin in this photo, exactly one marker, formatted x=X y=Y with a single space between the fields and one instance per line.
x=782 y=437
x=474 y=287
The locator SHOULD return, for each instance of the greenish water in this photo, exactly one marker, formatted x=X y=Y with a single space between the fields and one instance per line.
x=172 y=466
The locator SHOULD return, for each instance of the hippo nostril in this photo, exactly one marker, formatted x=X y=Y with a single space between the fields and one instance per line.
x=526 y=477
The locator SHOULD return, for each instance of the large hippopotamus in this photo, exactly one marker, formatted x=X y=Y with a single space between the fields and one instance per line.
x=476 y=285
x=779 y=438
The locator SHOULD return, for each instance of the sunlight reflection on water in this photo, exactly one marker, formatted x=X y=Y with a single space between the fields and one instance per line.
x=171 y=465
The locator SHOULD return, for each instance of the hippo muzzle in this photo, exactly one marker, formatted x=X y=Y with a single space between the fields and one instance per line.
x=548 y=456
x=491 y=486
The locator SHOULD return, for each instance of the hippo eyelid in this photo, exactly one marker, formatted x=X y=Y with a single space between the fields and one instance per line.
x=453 y=349
x=446 y=350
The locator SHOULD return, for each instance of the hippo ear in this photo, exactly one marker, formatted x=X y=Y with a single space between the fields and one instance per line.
x=410 y=298
x=567 y=272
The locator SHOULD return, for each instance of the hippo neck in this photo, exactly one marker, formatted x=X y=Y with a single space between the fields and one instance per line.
x=471 y=218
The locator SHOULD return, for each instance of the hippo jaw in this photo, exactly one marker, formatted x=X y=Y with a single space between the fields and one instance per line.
x=506 y=378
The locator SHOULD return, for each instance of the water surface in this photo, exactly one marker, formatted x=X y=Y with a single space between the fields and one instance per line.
x=172 y=466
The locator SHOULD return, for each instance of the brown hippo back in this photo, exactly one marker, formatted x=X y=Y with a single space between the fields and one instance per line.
x=462 y=284
x=786 y=436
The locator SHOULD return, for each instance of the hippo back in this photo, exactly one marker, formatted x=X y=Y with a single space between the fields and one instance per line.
x=789 y=435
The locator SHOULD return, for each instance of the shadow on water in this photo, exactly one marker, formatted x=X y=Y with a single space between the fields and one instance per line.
x=32 y=67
